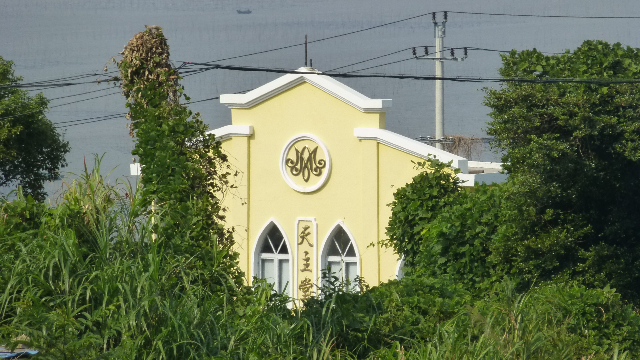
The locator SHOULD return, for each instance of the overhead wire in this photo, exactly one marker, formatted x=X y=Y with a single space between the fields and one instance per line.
x=115 y=116
x=318 y=40
x=79 y=94
x=55 y=106
x=90 y=122
x=429 y=77
x=91 y=118
x=374 y=58
x=542 y=16
x=53 y=82
x=385 y=64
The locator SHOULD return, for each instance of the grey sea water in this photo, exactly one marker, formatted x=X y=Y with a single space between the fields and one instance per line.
x=52 y=39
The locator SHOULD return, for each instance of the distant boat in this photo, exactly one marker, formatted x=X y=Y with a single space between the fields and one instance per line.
x=247 y=11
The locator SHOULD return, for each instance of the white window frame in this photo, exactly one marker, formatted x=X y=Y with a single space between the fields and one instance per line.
x=326 y=244
x=257 y=256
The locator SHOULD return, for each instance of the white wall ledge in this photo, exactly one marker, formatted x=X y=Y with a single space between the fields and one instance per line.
x=411 y=146
x=229 y=131
x=486 y=178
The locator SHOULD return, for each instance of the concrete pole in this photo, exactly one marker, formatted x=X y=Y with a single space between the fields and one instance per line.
x=439 y=34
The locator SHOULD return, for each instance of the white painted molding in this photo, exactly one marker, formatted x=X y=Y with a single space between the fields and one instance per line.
x=486 y=178
x=229 y=131
x=283 y=163
x=135 y=169
x=322 y=82
x=399 y=268
x=486 y=165
x=410 y=146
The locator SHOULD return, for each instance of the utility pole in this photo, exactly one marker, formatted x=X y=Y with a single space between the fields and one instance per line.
x=438 y=34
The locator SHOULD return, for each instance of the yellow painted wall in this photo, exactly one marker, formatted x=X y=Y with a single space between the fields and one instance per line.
x=396 y=170
x=363 y=176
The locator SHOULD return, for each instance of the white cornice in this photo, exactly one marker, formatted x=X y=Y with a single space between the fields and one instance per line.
x=410 y=146
x=486 y=178
x=322 y=82
x=229 y=131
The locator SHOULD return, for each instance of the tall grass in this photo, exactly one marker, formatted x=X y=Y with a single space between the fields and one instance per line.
x=95 y=277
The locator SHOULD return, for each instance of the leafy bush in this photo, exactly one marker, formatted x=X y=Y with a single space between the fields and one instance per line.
x=404 y=311
x=457 y=241
x=572 y=152
x=557 y=321
x=418 y=203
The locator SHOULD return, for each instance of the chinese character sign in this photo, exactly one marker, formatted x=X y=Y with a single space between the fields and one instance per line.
x=306 y=245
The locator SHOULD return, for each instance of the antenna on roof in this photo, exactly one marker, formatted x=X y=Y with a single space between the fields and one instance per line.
x=305 y=50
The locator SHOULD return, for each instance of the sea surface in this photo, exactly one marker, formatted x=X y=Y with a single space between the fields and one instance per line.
x=54 y=39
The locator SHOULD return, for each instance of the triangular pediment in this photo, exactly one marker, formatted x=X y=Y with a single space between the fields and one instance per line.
x=323 y=82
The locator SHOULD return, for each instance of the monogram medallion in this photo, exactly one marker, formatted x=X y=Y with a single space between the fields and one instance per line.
x=305 y=163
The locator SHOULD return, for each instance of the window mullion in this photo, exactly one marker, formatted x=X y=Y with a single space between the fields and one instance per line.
x=271 y=244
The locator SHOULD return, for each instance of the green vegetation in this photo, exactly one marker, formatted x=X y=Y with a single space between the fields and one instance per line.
x=90 y=280
x=572 y=152
x=116 y=272
x=31 y=149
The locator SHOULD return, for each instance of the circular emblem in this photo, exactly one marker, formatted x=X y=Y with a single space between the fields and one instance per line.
x=305 y=163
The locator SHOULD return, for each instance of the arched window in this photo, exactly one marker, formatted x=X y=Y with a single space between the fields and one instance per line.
x=273 y=260
x=340 y=254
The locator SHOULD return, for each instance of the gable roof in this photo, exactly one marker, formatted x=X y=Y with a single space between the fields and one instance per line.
x=313 y=77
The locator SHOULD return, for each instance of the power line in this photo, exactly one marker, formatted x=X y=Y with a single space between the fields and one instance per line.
x=430 y=77
x=89 y=122
x=363 y=61
x=55 y=106
x=545 y=16
x=84 y=93
x=314 y=41
x=504 y=51
x=91 y=98
x=114 y=116
x=70 y=77
x=91 y=118
x=55 y=83
x=389 y=63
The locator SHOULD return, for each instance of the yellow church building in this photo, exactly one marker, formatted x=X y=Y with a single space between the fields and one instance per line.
x=316 y=170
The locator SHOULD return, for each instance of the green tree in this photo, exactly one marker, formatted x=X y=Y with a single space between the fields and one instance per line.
x=184 y=171
x=417 y=204
x=572 y=151
x=31 y=149
x=445 y=230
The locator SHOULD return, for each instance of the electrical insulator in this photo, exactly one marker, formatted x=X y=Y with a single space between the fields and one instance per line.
x=445 y=16
x=433 y=17
x=452 y=53
x=465 y=52
x=426 y=50
x=414 y=51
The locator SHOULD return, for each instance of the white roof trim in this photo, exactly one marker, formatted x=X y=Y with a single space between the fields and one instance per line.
x=486 y=178
x=486 y=165
x=229 y=131
x=322 y=82
x=411 y=146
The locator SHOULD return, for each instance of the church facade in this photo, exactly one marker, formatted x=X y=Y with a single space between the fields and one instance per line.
x=315 y=169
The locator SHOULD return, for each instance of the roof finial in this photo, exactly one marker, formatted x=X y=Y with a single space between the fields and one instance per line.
x=305 y=51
